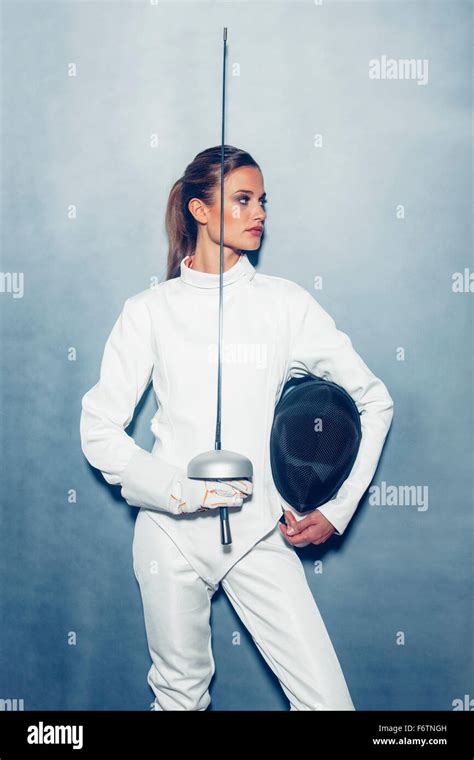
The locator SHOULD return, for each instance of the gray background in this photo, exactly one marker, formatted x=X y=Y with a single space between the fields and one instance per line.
x=85 y=140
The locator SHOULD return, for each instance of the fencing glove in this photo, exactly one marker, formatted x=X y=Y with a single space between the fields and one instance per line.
x=193 y=495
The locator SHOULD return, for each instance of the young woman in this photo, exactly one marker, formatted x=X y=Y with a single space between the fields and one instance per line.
x=168 y=334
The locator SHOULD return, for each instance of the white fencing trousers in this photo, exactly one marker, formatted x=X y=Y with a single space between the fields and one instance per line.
x=269 y=592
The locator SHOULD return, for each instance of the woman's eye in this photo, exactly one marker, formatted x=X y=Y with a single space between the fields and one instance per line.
x=246 y=198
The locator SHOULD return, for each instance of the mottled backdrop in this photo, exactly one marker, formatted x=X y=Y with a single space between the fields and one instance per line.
x=359 y=115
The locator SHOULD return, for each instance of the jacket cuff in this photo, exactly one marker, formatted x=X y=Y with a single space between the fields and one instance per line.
x=336 y=515
x=150 y=482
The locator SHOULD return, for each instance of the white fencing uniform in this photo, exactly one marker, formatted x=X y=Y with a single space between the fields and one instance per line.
x=169 y=334
x=270 y=593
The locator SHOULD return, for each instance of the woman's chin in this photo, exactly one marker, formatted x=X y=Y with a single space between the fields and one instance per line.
x=251 y=246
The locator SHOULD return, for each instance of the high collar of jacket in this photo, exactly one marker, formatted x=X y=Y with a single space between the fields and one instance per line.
x=240 y=272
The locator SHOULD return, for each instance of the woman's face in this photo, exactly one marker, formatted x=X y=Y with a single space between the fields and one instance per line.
x=244 y=209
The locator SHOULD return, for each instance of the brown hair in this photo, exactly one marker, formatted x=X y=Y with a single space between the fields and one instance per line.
x=200 y=180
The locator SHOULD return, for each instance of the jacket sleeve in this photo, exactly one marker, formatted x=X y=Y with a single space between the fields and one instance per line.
x=108 y=408
x=319 y=347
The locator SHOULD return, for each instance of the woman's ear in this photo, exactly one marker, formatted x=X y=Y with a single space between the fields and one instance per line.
x=198 y=209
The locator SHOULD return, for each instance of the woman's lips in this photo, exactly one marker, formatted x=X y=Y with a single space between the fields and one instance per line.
x=257 y=231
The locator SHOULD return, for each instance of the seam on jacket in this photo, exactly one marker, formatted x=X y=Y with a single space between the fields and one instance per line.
x=167 y=382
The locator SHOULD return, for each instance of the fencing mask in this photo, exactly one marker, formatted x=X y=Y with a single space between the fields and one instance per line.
x=314 y=441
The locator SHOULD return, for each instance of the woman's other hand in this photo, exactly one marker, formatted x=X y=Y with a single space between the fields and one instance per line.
x=313 y=529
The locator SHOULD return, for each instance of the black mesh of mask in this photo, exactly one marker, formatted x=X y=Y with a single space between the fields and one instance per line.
x=314 y=441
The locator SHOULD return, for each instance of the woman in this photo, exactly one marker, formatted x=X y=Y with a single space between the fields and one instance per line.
x=168 y=334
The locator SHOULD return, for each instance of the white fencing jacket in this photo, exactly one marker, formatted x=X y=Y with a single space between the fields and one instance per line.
x=169 y=334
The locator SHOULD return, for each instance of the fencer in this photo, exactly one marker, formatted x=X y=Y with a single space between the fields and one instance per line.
x=164 y=335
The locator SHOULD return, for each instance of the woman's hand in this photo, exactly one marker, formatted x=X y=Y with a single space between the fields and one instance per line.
x=313 y=529
x=202 y=495
x=216 y=489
